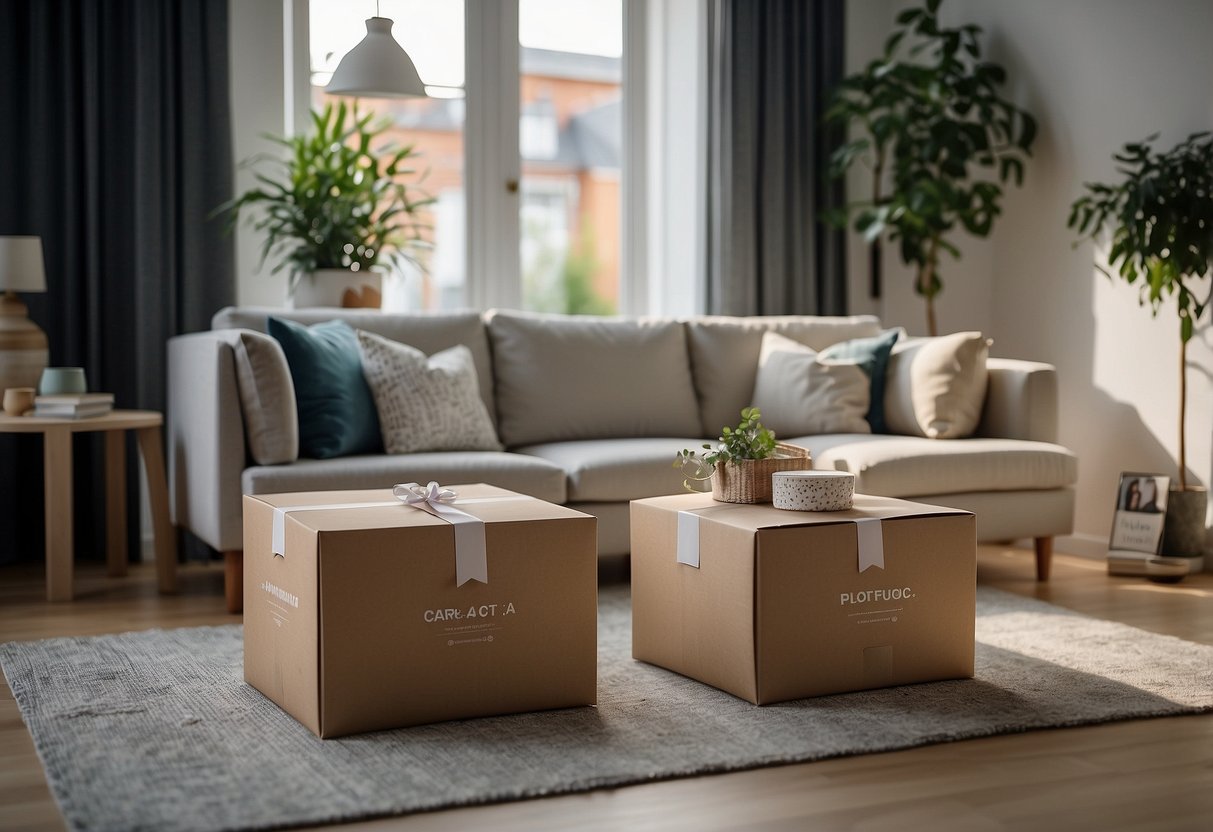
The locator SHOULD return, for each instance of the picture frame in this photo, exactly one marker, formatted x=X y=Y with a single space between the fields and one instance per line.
x=1137 y=524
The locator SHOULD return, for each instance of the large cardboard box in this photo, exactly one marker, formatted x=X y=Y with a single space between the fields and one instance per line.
x=772 y=605
x=359 y=624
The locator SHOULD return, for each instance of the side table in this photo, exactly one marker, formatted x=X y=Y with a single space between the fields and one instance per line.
x=57 y=473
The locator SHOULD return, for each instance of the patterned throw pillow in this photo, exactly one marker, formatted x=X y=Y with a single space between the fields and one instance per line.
x=426 y=404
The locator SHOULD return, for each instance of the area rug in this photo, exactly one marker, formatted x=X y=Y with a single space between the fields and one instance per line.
x=156 y=730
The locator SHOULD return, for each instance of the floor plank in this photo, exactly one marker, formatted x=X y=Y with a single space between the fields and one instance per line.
x=1146 y=775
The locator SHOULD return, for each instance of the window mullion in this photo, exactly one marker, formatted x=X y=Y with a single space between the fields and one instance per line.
x=491 y=154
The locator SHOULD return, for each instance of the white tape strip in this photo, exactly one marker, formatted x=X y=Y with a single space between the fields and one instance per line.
x=870 y=535
x=471 y=550
x=278 y=536
x=688 y=538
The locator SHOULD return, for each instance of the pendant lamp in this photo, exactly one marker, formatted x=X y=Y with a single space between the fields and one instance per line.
x=377 y=67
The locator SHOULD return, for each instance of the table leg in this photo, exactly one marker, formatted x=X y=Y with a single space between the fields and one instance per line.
x=157 y=493
x=115 y=503
x=57 y=473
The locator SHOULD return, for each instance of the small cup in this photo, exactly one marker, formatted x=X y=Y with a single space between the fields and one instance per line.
x=58 y=381
x=17 y=400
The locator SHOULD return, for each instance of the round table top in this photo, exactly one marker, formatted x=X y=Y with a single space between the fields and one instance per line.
x=114 y=420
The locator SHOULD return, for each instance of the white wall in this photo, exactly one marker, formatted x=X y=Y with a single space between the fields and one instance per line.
x=255 y=43
x=1096 y=73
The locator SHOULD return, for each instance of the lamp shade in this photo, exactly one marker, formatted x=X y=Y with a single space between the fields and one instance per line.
x=377 y=67
x=21 y=265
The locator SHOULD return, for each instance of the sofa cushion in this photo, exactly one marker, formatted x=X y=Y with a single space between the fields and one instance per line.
x=872 y=355
x=799 y=393
x=617 y=469
x=267 y=398
x=724 y=356
x=913 y=466
x=562 y=378
x=427 y=332
x=426 y=403
x=336 y=410
x=936 y=386
x=524 y=474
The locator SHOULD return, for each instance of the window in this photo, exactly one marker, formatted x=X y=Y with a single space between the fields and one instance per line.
x=568 y=115
x=431 y=31
x=570 y=99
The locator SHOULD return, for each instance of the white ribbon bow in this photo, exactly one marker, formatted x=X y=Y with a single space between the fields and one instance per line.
x=471 y=551
x=413 y=493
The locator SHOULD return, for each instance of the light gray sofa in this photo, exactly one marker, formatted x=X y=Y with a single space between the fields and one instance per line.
x=592 y=411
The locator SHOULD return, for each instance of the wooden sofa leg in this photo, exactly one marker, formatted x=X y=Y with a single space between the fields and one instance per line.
x=233 y=580
x=1044 y=557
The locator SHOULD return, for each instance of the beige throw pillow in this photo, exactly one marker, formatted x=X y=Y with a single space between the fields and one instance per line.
x=267 y=397
x=937 y=386
x=800 y=395
x=426 y=404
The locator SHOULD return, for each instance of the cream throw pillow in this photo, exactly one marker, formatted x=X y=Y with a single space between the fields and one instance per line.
x=799 y=394
x=426 y=404
x=267 y=398
x=937 y=386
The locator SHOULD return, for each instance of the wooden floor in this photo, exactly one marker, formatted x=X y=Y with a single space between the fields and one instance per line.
x=1138 y=775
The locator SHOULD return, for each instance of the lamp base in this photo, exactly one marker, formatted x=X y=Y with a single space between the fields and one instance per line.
x=23 y=347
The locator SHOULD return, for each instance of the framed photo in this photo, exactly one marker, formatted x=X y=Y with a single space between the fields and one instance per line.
x=1141 y=505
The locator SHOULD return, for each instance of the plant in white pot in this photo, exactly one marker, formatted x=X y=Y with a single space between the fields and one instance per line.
x=740 y=466
x=337 y=209
x=1160 y=219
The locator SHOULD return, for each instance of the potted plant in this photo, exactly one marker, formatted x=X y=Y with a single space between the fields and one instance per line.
x=740 y=466
x=336 y=209
x=928 y=121
x=1160 y=218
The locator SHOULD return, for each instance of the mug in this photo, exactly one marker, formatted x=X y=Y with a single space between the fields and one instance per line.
x=17 y=400
x=62 y=381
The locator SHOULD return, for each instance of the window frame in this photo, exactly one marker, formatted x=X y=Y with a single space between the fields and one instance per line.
x=492 y=157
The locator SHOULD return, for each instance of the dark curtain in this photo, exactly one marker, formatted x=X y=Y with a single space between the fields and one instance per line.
x=114 y=148
x=771 y=65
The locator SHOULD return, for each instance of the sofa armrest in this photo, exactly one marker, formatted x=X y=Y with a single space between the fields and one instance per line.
x=206 y=443
x=1021 y=401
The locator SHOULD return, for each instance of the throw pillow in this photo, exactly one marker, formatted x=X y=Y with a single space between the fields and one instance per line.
x=937 y=386
x=872 y=356
x=426 y=404
x=267 y=397
x=799 y=394
x=336 y=411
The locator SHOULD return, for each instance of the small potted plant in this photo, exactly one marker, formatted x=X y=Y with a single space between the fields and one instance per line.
x=1159 y=217
x=740 y=466
x=336 y=209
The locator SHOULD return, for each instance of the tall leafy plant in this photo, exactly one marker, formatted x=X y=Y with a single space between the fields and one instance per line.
x=1159 y=217
x=928 y=120
x=339 y=199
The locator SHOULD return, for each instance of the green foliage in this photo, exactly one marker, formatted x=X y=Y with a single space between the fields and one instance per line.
x=338 y=200
x=572 y=293
x=749 y=440
x=1160 y=216
x=929 y=114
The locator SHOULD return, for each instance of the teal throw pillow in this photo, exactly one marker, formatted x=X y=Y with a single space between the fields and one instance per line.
x=336 y=410
x=872 y=356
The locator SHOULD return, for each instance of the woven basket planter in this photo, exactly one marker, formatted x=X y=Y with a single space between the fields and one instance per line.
x=749 y=480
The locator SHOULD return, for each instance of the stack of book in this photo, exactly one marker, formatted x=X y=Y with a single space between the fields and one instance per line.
x=74 y=406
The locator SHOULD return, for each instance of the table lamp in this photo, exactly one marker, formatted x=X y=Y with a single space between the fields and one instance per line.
x=23 y=347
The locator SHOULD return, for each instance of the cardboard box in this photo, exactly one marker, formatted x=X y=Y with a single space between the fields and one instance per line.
x=359 y=625
x=778 y=607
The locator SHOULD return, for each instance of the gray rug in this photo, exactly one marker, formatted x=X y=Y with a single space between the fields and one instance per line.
x=155 y=730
